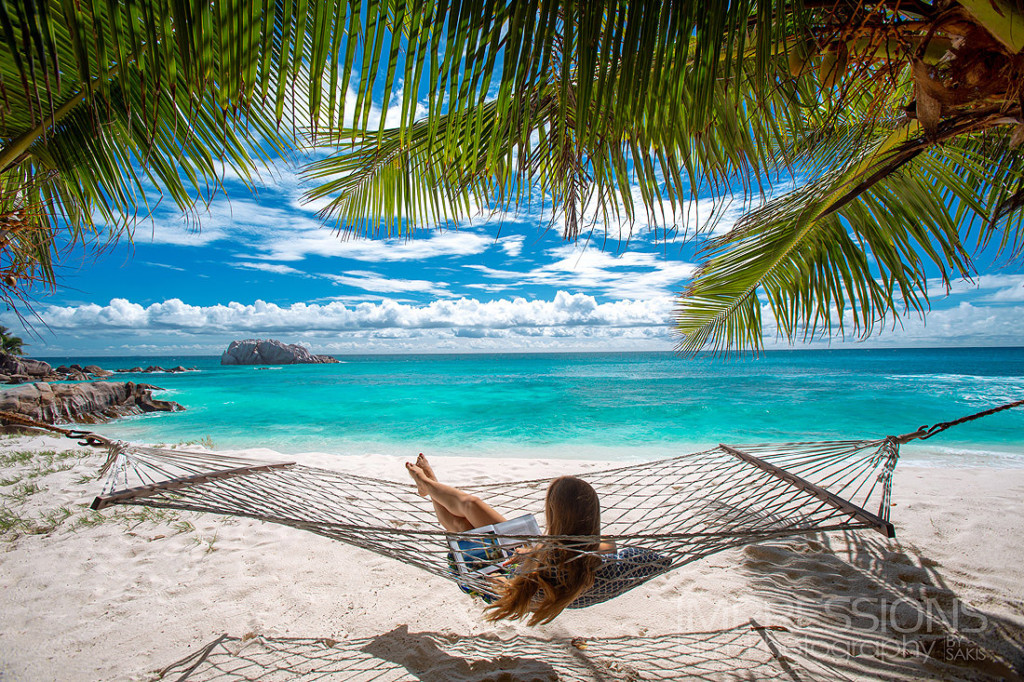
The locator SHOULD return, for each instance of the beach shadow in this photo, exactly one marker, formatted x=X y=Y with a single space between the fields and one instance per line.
x=859 y=606
x=745 y=652
x=422 y=656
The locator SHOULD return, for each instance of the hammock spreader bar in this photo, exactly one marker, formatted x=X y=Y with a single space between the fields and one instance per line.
x=882 y=526
x=151 y=489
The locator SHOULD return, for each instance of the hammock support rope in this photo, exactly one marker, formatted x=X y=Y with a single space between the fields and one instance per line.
x=661 y=514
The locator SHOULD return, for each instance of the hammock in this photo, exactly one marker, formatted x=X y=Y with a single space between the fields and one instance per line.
x=661 y=514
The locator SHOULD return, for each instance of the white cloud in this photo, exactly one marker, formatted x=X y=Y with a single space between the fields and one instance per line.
x=268 y=267
x=379 y=284
x=960 y=326
x=563 y=310
x=1009 y=294
x=512 y=246
x=296 y=246
x=178 y=232
x=165 y=266
x=565 y=322
x=282 y=234
x=630 y=275
x=964 y=325
x=981 y=283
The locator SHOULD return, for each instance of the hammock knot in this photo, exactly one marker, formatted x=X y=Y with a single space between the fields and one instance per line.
x=886 y=457
x=115 y=450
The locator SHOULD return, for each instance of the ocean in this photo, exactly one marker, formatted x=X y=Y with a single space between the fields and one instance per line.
x=606 y=406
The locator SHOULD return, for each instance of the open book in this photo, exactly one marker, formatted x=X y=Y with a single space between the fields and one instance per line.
x=490 y=547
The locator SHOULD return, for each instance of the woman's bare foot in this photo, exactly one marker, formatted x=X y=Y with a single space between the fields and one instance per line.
x=428 y=470
x=418 y=476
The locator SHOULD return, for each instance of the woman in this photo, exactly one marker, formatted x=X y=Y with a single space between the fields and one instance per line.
x=550 y=575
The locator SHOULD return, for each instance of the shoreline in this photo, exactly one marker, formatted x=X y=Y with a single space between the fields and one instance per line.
x=915 y=454
x=129 y=592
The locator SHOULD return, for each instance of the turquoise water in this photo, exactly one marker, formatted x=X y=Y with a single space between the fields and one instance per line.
x=620 y=406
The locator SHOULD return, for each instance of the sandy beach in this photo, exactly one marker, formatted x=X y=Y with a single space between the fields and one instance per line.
x=132 y=593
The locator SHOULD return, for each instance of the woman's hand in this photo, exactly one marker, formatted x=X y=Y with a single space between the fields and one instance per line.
x=519 y=554
x=498 y=582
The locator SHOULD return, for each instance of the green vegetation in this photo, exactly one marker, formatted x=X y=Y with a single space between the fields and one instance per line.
x=26 y=509
x=205 y=442
x=108 y=107
x=9 y=343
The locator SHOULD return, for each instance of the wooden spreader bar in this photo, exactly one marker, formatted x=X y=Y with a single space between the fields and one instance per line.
x=876 y=522
x=173 y=484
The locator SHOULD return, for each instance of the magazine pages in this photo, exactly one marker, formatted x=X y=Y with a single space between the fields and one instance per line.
x=491 y=545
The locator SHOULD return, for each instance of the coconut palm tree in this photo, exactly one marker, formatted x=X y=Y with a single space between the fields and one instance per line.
x=9 y=343
x=901 y=119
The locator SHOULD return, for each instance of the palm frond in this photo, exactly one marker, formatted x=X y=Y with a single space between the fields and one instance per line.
x=855 y=250
x=107 y=107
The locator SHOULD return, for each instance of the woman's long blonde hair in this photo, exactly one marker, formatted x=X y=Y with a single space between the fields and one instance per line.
x=557 y=571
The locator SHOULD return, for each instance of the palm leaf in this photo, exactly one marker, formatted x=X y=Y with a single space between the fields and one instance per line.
x=856 y=248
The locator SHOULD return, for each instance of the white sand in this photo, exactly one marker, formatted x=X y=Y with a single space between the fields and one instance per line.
x=128 y=597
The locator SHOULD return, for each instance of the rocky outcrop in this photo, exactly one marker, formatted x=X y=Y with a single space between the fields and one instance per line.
x=12 y=365
x=270 y=352
x=18 y=370
x=88 y=403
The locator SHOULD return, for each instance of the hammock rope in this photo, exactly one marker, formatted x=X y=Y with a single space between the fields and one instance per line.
x=660 y=515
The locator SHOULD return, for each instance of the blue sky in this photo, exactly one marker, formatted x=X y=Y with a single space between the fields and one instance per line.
x=265 y=266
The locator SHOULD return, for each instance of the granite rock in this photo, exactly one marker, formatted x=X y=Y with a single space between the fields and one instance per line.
x=17 y=366
x=270 y=352
x=87 y=403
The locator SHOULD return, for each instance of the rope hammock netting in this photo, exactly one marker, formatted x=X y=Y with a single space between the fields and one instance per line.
x=660 y=515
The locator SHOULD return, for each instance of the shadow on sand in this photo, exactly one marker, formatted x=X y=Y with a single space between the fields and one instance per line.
x=857 y=606
x=841 y=607
x=746 y=652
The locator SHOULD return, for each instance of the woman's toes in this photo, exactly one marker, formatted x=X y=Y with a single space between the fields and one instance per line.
x=417 y=476
x=423 y=464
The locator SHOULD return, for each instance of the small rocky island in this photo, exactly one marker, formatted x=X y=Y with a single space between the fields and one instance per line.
x=270 y=352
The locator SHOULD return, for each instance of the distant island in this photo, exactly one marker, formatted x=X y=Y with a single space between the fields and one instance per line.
x=270 y=352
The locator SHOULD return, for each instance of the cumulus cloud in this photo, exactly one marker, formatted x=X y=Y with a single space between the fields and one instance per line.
x=563 y=310
x=965 y=324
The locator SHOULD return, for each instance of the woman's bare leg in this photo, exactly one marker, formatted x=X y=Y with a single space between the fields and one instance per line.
x=450 y=522
x=457 y=503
